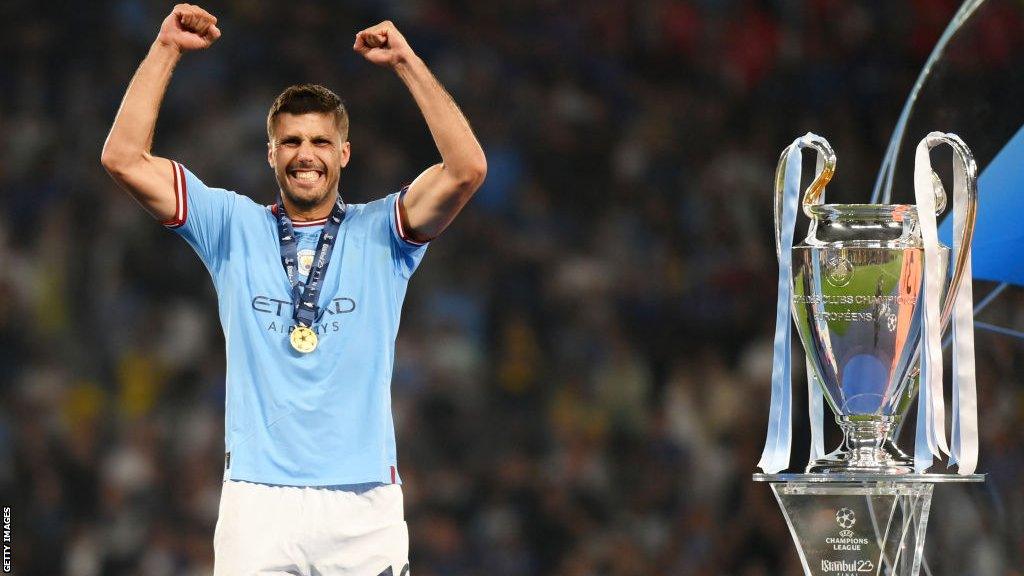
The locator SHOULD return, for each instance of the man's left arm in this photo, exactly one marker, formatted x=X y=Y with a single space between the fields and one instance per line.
x=439 y=193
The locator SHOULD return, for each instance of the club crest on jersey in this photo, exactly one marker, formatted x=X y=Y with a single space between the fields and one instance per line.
x=305 y=261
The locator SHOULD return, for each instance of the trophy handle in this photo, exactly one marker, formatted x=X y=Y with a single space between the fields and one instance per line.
x=970 y=167
x=815 y=193
x=963 y=153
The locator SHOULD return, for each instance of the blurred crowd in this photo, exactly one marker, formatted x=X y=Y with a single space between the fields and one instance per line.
x=582 y=378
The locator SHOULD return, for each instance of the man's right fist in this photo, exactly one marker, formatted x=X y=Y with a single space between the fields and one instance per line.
x=189 y=27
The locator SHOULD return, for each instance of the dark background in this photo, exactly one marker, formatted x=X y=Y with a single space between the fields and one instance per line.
x=581 y=384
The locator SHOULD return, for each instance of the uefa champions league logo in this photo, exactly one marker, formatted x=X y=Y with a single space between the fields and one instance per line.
x=846 y=518
x=847 y=540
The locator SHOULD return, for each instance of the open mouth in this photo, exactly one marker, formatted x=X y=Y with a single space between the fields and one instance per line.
x=306 y=177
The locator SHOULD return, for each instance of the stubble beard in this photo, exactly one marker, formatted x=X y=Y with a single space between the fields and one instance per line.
x=305 y=201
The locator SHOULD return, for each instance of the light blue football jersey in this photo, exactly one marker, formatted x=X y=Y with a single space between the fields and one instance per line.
x=316 y=419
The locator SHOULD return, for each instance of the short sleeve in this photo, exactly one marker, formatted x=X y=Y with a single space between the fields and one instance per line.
x=201 y=217
x=406 y=253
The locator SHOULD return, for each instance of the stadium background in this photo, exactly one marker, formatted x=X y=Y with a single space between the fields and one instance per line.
x=583 y=365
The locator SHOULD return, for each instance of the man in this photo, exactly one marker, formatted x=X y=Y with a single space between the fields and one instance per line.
x=310 y=291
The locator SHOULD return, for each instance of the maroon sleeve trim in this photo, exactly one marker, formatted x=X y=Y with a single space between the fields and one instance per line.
x=180 y=197
x=398 y=222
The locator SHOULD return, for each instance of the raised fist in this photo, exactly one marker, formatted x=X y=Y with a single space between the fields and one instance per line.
x=189 y=27
x=383 y=45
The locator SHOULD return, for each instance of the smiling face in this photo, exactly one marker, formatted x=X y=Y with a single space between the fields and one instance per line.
x=307 y=153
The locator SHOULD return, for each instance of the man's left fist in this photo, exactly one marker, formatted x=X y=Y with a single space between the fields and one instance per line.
x=383 y=45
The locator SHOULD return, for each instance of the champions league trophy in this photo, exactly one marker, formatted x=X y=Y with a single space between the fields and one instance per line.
x=869 y=294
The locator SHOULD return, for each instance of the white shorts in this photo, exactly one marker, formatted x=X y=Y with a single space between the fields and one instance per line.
x=315 y=531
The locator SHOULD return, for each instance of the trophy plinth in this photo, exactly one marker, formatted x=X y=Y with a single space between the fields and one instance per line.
x=858 y=524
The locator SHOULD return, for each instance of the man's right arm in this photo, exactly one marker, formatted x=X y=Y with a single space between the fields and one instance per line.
x=126 y=153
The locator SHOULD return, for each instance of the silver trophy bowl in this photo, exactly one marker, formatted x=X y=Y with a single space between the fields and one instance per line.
x=857 y=280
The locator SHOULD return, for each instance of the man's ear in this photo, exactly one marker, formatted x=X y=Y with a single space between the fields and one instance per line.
x=346 y=153
x=270 y=154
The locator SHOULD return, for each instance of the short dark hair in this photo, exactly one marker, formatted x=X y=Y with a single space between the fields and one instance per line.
x=306 y=99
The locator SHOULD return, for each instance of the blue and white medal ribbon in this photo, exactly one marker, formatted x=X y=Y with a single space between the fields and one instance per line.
x=305 y=295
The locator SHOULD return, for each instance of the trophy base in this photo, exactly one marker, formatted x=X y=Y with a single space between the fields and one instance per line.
x=888 y=459
x=867 y=449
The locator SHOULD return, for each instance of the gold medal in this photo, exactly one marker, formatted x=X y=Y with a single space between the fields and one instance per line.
x=303 y=339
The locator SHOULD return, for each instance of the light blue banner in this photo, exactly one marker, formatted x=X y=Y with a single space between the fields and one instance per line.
x=999 y=233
